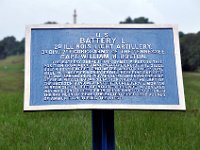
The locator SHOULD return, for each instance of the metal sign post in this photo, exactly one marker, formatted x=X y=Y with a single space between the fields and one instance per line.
x=103 y=135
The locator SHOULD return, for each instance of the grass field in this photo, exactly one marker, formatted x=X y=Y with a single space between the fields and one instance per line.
x=71 y=130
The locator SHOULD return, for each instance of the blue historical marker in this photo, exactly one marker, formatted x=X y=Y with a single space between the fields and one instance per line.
x=103 y=67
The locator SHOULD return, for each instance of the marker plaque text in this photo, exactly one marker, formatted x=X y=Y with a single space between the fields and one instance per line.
x=103 y=67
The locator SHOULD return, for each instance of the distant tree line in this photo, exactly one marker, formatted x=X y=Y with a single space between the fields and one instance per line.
x=138 y=20
x=10 y=46
x=189 y=44
x=190 y=51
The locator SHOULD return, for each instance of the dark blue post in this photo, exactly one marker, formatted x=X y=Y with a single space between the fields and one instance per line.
x=103 y=134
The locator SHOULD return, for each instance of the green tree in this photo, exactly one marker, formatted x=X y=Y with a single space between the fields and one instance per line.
x=2 y=51
x=21 y=46
x=190 y=51
x=10 y=45
x=139 y=20
x=181 y=34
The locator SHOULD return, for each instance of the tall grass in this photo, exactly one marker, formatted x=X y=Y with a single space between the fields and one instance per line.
x=71 y=130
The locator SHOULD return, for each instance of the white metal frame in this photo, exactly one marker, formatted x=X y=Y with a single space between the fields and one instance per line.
x=180 y=106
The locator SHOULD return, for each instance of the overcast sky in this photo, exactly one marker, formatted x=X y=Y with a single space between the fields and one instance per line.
x=15 y=14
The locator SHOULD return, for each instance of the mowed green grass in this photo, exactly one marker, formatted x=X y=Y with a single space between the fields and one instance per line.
x=71 y=130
